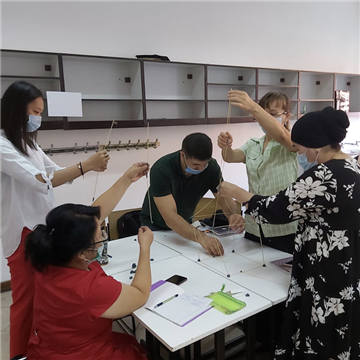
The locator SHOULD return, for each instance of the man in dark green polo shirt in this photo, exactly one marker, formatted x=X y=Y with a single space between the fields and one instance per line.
x=177 y=183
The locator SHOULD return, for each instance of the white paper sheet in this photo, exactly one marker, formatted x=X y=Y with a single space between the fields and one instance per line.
x=183 y=308
x=61 y=103
x=163 y=292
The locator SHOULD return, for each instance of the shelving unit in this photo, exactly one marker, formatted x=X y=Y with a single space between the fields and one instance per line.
x=220 y=79
x=316 y=91
x=40 y=69
x=174 y=93
x=350 y=83
x=110 y=89
x=137 y=92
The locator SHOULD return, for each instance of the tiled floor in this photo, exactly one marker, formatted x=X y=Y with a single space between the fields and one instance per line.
x=5 y=324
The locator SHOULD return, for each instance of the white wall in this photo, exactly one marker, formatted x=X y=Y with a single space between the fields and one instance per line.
x=321 y=36
x=306 y=36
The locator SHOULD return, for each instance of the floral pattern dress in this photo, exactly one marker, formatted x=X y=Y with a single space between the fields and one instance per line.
x=322 y=314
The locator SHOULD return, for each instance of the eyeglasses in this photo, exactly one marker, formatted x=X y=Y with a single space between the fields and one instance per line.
x=104 y=237
x=274 y=114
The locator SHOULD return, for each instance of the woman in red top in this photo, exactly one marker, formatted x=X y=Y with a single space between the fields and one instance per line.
x=75 y=301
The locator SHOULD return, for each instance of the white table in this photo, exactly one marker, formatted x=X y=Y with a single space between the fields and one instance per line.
x=201 y=281
x=244 y=266
x=240 y=269
x=125 y=253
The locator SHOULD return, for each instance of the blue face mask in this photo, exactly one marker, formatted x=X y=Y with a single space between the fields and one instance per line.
x=303 y=161
x=191 y=171
x=33 y=123
x=279 y=118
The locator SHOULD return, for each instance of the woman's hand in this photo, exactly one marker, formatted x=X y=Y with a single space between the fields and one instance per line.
x=225 y=140
x=242 y=100
x=237 y=222
x=97 y=162
x=145 y=237
x=137 y=171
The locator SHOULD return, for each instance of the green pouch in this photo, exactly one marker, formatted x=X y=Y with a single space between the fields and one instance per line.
x=225 y=303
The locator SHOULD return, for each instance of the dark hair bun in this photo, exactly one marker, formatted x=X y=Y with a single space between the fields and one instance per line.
x=320 y=128
x=343 y=119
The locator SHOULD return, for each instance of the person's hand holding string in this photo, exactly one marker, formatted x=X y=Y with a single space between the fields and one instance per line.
x=225 y=140
x=138 y=170
x=211 y=244
x=96 y=162
x=145 y=237
x=242 y=100
x=237 y=222
x=226 y=189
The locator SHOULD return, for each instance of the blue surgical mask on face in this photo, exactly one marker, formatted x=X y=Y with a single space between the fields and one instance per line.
x=191 y=171
x=33 y=123
x=303 y=161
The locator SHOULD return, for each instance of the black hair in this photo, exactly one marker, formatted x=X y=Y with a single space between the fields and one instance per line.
x=14 y=117
x=197 y=146
x=69 y=229
x=335 y=146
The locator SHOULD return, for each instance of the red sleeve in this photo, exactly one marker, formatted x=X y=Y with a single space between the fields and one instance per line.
x=102 y=292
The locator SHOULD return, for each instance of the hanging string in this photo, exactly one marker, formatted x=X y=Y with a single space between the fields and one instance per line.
x=222 y=160
x=97 y=174
x=198 y=232
x=147 y=178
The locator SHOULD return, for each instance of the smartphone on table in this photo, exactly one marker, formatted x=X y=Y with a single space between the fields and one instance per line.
x=176 y=279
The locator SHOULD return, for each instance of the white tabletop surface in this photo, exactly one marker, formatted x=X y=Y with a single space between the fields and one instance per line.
x=125 y=253
x=243 y=266
x=201 y=281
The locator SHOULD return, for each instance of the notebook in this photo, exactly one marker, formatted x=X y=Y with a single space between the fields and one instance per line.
x=174 y=304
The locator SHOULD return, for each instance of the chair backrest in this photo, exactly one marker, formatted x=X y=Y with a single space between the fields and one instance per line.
x=205 y=208
x=129 y=224
x=113 y=218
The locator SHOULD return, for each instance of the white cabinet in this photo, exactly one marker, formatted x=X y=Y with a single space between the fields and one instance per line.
x=221 y=79
x=316 y=91
x=39 y=69
x=174 y=91
x=135 y=92
x=110 y=89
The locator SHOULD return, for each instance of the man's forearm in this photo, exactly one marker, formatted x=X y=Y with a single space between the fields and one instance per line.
x=176 y=223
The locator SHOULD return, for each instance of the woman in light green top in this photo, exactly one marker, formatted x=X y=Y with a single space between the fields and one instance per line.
x=271 y=162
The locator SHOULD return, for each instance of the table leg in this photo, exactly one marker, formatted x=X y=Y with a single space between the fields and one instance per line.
x=174 y=355
x=250 y=332
x=219 y=345
x=197 y=350
x=188 y=353
x=149 y=338
x=156 y=349
x=272 y=329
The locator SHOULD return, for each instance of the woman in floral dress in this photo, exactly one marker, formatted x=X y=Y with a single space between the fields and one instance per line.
x=322 y=315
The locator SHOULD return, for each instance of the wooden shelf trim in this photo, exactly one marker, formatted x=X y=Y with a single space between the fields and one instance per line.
x=30 y=77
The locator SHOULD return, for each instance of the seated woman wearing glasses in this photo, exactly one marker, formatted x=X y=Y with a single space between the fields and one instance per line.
x=75 y=301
